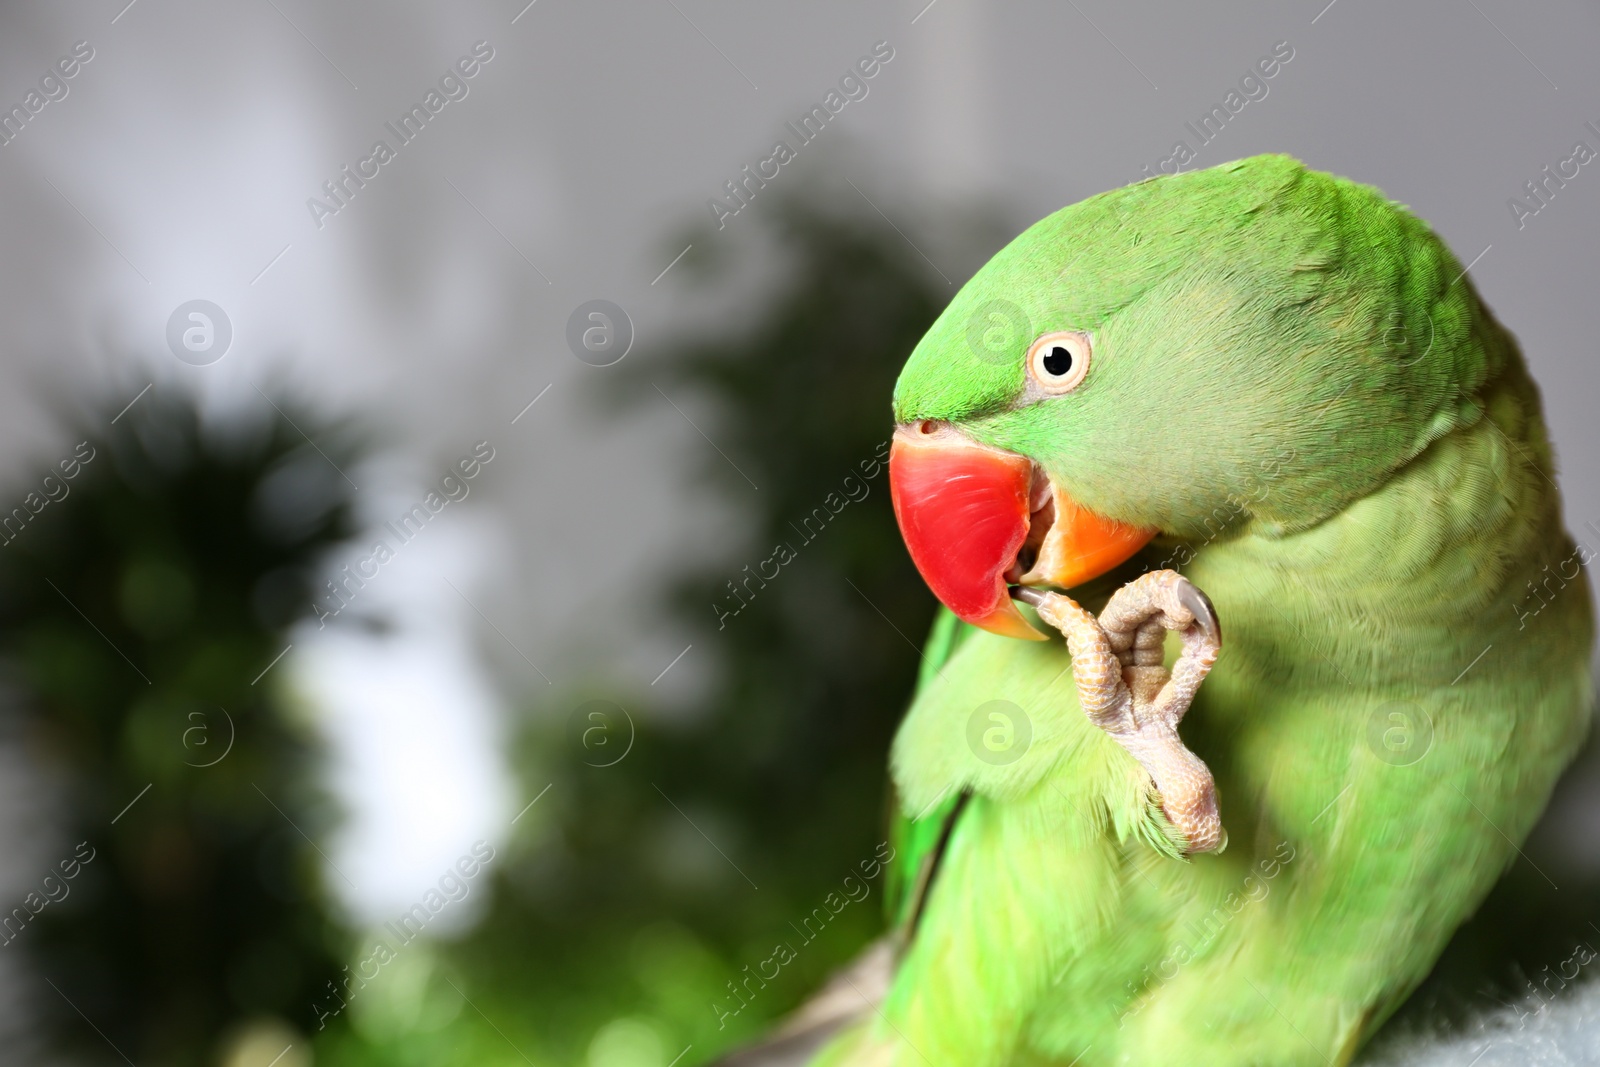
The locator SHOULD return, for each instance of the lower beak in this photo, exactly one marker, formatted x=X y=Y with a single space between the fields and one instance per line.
x=975 y=518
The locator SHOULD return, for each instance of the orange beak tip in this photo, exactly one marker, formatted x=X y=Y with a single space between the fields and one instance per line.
x=1007 y=621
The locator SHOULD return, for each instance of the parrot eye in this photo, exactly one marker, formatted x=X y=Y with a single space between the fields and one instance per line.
x=1058 y=361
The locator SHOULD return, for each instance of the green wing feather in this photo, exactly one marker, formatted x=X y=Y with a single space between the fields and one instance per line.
x=918 y=837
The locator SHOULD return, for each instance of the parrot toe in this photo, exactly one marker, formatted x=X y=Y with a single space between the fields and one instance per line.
x=1127 y=692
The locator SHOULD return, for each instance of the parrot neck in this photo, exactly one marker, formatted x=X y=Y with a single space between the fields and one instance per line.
x=1462 y=548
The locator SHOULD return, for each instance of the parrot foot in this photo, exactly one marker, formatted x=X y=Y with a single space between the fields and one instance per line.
x=1125 y=690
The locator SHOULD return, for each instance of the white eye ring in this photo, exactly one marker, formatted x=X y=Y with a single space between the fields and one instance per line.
x=1058 y=361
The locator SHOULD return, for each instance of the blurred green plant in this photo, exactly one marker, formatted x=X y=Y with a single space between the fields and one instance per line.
x=627 y=910
x=139 y=610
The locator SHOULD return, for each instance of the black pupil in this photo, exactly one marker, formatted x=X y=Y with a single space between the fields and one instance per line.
x=1058 y=362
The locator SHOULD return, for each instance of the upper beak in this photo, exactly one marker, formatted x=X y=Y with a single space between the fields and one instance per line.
x=975 y=518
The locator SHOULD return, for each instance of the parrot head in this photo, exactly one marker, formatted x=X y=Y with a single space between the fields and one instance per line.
x=1256 y=343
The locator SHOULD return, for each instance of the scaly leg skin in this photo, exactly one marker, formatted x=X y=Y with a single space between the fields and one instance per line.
x=1125 y=690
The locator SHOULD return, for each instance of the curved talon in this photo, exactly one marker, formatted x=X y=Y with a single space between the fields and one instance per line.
x=1027 y=594
x=1200 y=606
x=1125 y=690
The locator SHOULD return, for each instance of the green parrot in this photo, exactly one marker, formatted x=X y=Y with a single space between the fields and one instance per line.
x=1277 y=387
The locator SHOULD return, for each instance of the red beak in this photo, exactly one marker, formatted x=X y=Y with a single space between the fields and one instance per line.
x=965 y=512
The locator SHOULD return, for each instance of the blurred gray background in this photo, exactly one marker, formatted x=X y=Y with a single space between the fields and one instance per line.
x=434 y=304
x=180 y=163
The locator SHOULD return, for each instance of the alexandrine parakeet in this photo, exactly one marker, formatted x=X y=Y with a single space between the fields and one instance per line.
x=1276 y=389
